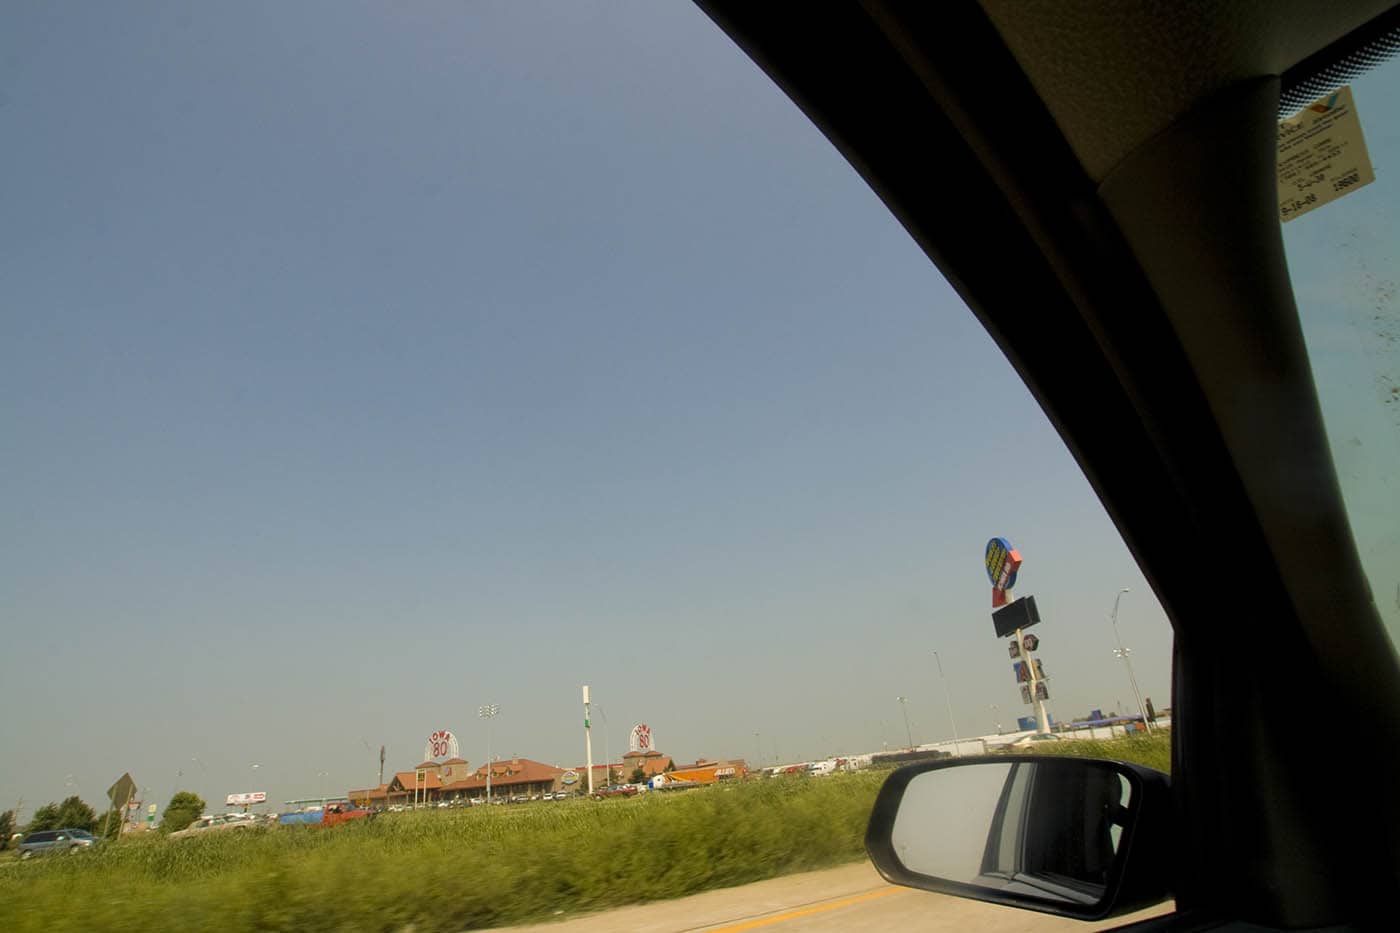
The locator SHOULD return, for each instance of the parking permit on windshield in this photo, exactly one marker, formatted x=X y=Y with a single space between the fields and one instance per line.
x=1321 y=155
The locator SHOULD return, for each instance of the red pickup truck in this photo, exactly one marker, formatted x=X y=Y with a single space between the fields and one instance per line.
x=623 y=790
x=332 y=814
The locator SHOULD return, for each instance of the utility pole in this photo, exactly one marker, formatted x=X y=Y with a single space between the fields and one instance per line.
x=1122 y=653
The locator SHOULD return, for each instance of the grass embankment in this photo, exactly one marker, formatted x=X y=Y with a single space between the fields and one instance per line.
x=1154 y=751
x=451 y=870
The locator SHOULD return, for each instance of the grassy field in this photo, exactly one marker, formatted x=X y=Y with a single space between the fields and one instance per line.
x=441 y=871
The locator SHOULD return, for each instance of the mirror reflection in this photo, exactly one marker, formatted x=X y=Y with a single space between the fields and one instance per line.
x=1043 y=828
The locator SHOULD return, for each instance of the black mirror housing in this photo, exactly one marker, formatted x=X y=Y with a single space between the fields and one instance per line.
x=1077 y=837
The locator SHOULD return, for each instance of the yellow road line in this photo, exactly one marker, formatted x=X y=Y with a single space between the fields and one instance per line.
x=807 y=911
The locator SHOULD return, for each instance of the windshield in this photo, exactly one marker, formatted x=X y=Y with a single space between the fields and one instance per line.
x=1344 y=258
x=522 y=384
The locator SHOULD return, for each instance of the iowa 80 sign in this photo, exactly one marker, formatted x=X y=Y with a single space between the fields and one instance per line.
x=441 y=744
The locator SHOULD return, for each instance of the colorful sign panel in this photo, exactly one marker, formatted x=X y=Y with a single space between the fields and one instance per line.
x=243 y=800
x=1002 y=563
x=641 y=738
x=441 y=744
x=568 y=777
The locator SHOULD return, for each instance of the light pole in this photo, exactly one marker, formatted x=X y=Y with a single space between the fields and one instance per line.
x=996 y=717
x=488 y=712
x=588 y=735
x=322 y=776
x=1122 y=653
x=947 y=698
x=904 y=707
x=607 y=746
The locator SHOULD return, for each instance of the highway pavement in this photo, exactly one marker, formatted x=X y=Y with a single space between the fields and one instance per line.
x=851 y=898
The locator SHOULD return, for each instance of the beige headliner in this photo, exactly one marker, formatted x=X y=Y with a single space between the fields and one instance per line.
x=1115 y=73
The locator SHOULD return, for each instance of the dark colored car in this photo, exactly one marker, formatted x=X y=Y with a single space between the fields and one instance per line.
x=51 y=841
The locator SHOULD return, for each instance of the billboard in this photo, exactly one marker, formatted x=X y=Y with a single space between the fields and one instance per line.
x=1002 y=563
x=243 y=800
x=640 y=740
x=441 y=744
x=1020 y=614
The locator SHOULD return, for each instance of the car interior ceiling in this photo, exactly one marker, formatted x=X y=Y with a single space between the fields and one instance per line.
x=1097 y=182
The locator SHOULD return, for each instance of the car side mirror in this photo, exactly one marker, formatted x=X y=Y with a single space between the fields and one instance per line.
x=1077 y=837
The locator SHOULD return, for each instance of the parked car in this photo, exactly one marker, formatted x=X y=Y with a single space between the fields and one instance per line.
x=218 y=822
x=623 y=790
x=50 y=841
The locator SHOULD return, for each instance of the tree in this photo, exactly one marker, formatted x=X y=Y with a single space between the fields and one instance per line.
x=45 y=817
x=638 y=775
x=7 y=828
x=74 y=814
x=182 y=810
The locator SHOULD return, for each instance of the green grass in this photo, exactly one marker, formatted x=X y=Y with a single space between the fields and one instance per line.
x=449 y=870
x=453 y=870
x=1154 y=751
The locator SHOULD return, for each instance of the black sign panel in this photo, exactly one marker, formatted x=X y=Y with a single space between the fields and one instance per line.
x=1020 y=614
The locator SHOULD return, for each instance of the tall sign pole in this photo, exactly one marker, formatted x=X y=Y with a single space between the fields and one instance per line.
x=588 y=737
x=1011 y=618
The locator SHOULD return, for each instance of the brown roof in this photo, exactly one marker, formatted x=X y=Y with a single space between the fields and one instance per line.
x=650 y=764
x=455 y=761
x=369 y=793
x=408 y=780
x=515 y=771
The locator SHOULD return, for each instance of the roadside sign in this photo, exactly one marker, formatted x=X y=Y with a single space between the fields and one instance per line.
x=1002 y=563
x=123 y=790
x=243 y=800
x=1020 y=614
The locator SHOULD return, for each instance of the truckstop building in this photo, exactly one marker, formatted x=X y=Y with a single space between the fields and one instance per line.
x=453 y=780
x=433 y=782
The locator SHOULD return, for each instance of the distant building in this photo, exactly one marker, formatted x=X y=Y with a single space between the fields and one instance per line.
x=434 y=782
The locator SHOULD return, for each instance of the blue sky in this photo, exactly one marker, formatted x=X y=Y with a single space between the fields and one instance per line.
x=365 y=363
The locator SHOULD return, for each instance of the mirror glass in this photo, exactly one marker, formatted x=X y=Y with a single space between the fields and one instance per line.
x=1048 y=829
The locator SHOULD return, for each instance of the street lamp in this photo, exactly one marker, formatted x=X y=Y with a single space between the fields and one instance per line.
x=947 y=698
x=488 y=713
x=607 y=745
x=996 y=717
x=322 y=776
x=1122 y=654
x=904 y=707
